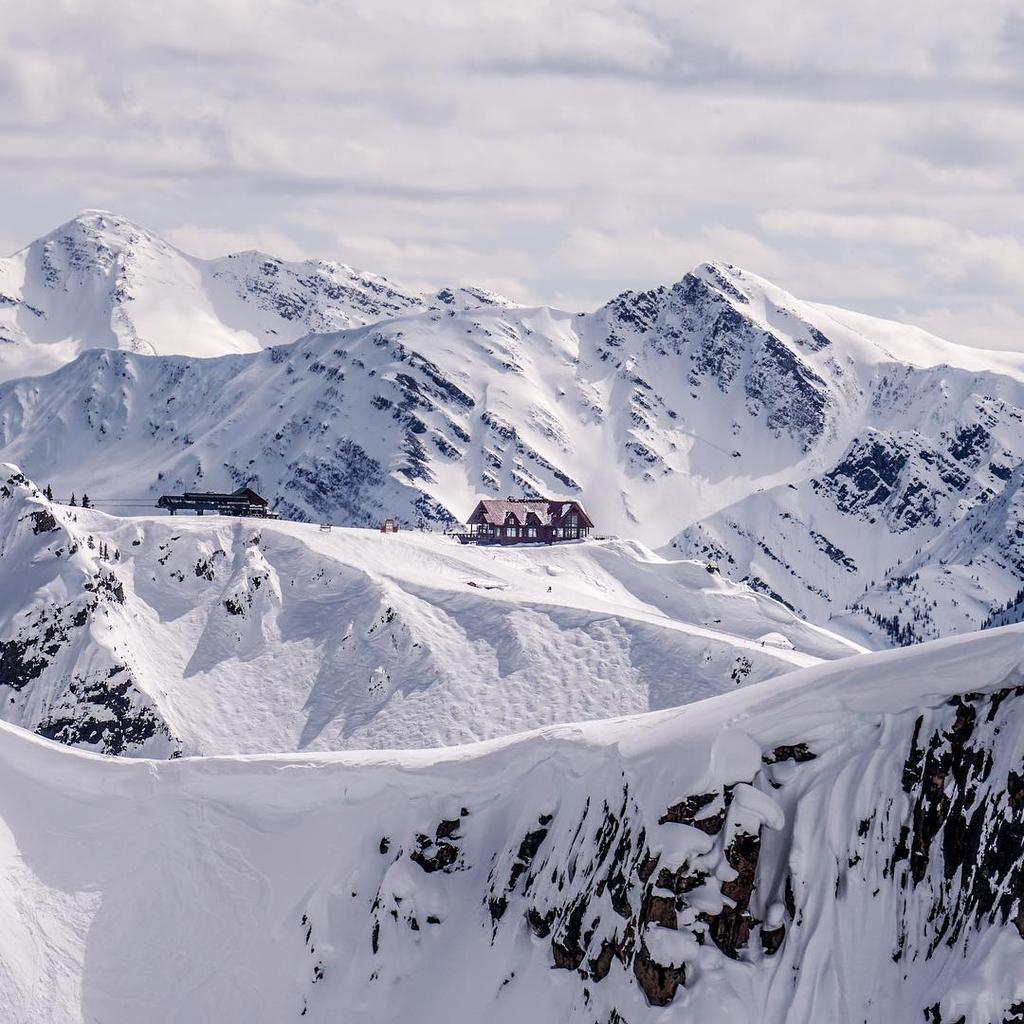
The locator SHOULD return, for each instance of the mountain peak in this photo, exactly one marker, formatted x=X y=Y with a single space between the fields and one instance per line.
x=101 y=228
x=91 y=212
x=733 y=281
x=102 y=220
x=715 y=269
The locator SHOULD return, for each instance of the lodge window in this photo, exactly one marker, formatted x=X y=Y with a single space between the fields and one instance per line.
x=531 y=531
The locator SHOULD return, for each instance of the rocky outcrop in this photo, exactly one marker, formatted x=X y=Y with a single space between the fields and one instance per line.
x=54 y=677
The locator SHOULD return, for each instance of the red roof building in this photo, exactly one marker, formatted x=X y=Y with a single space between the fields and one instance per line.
x=527 y=520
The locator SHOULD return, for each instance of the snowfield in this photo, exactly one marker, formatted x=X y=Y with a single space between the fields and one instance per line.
x=209 y=635
x=841 y=844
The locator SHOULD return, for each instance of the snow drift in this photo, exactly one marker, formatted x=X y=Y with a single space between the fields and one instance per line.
x=160 y=636
x=842 y=844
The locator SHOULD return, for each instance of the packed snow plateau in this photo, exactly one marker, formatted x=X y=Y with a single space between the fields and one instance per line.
x=842 y=844
x=162 y=636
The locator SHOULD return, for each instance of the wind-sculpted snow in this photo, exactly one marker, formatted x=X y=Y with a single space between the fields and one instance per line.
x=840 y=844
x=164 y=636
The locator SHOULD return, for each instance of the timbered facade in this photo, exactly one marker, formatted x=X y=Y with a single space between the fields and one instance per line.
x=526 y=521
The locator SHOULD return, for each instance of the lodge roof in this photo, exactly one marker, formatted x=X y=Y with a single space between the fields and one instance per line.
x=549 y=512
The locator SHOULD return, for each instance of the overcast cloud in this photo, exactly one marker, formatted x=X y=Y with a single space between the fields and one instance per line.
x=867 y=154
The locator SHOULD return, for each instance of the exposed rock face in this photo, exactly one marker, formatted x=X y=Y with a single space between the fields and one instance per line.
x=109 y=715
x=440 y=853
x=608 y=896
x=646 y=908
x=907 y=537
x=44 y=680
x=705 y=321
x=964 y=835
x=903 y=480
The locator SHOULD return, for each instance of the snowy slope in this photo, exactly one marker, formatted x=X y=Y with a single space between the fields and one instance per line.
x=864 y=472
x=101 y=281
x=910 y=472
x=903 y=520
x=840 y=845
x=159 y=637
x=910 y=535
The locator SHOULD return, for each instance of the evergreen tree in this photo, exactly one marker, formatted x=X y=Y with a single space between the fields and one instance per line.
x=72 y=501
x=85 y=500
x=49 y=493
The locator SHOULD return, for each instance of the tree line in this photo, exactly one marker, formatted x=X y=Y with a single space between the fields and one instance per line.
x=86 y=502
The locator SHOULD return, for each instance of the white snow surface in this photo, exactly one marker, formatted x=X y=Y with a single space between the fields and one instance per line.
x=210 y=635
x=461 y=884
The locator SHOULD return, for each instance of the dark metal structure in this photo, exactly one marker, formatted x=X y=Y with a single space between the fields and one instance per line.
x=243 y=502
x=526 y=521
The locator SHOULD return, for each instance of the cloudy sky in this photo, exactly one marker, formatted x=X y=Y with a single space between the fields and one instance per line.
x=869 y=154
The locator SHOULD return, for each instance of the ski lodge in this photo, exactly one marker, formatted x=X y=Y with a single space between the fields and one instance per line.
x=526 y=521
x=243 y=502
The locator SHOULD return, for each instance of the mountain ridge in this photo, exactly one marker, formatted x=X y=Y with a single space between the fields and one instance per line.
x=812 y=452
x=805 y=849
x=100 y=280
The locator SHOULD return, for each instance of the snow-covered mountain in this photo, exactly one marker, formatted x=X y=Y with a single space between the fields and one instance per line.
x=862 y=471
x=843 y=844
x=902 y=517
x=826 y=837
x=167 y=636
x=101 y=281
